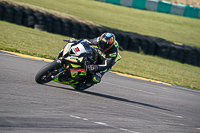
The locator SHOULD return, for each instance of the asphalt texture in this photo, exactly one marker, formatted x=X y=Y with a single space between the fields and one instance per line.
x=116 y=105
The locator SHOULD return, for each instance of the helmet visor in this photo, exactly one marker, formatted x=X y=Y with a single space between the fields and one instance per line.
x=103 y=45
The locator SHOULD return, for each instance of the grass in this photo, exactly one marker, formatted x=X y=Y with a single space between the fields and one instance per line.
x=170 y=27
x=28 y=41
x=43 y=44
x=159 y=69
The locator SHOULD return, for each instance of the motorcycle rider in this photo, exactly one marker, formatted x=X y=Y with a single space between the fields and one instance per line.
x=106 y=55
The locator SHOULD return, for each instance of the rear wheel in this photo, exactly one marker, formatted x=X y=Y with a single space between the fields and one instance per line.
x=45 y=73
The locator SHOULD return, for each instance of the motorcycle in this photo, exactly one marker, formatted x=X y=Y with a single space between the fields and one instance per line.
x=70 y=67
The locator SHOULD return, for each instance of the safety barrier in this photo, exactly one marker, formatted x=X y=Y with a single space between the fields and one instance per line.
x=160 y=6
x=127 y=40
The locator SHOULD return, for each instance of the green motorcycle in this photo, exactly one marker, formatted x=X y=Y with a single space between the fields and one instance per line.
x=71 y=65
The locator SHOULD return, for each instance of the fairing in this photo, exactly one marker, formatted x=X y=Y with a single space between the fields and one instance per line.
x=77 y=52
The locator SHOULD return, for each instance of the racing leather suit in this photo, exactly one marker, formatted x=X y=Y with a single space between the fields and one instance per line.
x=105 y=60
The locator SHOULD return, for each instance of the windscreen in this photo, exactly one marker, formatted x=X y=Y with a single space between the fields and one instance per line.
x=87 y=46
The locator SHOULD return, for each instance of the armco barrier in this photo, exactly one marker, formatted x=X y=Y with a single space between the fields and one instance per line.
x=160 y=6
x=151 y=5
x=164 y=6
x=139 y=4
x=177 y=9
x=127 y=40
x=191 y=12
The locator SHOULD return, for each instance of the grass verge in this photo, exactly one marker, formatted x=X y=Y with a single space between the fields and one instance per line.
x=42 y=44
x=170 y=27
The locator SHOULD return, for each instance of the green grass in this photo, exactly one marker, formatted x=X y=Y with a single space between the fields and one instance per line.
x=170 y=27
x=159 y=69
x=29 y=41
x=39 y=43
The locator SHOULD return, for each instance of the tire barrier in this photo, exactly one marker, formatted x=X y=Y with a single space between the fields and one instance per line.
x=159 y=6
x=127 y=40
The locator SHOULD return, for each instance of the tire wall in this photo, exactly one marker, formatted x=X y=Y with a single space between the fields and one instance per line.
x=127 y=40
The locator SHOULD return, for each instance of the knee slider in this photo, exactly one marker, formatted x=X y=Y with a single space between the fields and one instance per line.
x=96 y=79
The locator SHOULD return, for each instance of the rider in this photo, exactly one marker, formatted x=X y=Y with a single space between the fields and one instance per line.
x=106 y=55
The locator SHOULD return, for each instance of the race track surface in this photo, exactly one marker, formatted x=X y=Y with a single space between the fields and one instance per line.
x=117 y=105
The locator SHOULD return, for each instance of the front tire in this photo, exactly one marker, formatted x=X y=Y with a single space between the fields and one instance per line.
x=45 y=73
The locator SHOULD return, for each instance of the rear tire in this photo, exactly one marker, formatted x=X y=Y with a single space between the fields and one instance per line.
x=45 y=73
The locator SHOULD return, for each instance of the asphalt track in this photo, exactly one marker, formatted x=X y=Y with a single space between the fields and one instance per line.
x=117 y=105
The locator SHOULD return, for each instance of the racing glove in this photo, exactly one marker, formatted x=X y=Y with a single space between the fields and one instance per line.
x=92 y=68
x=72 y=40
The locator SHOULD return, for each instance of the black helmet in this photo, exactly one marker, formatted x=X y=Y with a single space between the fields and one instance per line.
x=106 y=41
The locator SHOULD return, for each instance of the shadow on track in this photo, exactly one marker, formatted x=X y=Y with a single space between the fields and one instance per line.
x=111 y=97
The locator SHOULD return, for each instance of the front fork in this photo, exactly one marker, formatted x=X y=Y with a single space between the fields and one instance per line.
x=60 y=70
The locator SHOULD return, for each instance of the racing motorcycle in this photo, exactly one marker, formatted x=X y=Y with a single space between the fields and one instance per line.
x=71 y=65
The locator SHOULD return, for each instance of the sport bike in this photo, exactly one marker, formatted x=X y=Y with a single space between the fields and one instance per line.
x=70 y=67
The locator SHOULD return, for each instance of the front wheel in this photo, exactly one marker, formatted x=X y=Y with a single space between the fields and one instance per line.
x=45 y=74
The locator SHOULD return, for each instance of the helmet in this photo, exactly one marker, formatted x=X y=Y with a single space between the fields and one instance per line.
x=106 y=41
